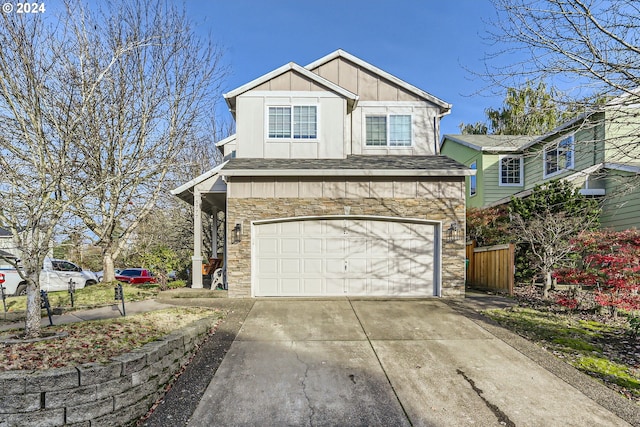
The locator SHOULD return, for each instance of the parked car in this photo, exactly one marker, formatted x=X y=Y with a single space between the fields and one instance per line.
x=54 y=276
x=100 y=274
x=136 y=276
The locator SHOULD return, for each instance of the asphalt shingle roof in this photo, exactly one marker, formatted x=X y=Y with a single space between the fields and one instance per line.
x=350 y=163
x=499 y=142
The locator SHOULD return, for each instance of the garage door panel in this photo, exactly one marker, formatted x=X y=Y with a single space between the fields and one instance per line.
x=312 y=246
x=290 y=266
x=290 y=286
x=268 y=266
x=344 y=257
x=312 y=286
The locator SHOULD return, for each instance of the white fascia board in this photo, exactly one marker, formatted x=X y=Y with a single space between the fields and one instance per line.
x=225 y=141
x=349 y=172
x=197 y=180
x=285 y=68
x=622 y=167
x=444 y=106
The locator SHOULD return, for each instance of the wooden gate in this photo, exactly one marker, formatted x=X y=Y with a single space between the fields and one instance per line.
x=491 y=267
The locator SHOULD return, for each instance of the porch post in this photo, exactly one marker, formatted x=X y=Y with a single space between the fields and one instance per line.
x=196 y=259
x=214 y=233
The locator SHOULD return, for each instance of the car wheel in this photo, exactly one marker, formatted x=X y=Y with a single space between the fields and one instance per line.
x=90 y=282
x=21 y=290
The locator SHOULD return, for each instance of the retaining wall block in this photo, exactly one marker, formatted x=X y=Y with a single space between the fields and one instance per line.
x=70 y=397
x=13 y=382
x=123 y=417
x=113 y=387
x=89 y=411
x=52 y=380
x=174 y=340
x=43 y=418
x=97 y=373
x=140 y=392
x=144 y=375
x=131 y=362
x=11 y=403
x=155 y=351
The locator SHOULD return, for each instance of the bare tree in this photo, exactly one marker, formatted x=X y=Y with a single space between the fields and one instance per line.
x=589 y=49
x=38 y=134
x=154 y=83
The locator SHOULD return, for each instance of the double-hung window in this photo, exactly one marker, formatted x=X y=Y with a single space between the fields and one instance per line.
x=510 y=171
x=388 y=130
x=297 y=122
x=558 y=156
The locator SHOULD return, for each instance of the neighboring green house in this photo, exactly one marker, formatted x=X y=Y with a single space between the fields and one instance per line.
x=599 y=152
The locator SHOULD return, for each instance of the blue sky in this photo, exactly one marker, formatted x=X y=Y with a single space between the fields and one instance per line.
x=429 y=43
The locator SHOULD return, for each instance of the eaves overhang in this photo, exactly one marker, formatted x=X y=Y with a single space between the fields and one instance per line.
x=348 y=172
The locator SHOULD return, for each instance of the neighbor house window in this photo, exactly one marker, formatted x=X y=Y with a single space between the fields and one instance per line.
x=510 y=170
x=392 y=130
x=299 y=122
x=473 y=183
x=558 y=157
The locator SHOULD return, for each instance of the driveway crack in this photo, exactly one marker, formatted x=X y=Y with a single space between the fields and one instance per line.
x=503 y=419
x=304 y=388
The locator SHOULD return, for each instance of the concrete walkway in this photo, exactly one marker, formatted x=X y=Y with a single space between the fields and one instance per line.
x=384 y=362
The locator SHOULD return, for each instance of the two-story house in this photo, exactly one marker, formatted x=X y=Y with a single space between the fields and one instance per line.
x=333 y=186
x=598 y=152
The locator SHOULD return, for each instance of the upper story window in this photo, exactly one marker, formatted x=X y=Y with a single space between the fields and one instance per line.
x=558 y=157
x=510 y=170
x=298 y=122
x=393 y=130
x=473 y=183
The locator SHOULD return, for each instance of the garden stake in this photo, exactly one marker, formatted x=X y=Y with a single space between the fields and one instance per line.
x=44 y=303
x=119 y=295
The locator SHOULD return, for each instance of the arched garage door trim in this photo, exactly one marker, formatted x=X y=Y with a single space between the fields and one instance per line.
x=397 y=223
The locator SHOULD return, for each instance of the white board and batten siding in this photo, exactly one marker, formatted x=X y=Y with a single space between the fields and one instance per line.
x=345 y=256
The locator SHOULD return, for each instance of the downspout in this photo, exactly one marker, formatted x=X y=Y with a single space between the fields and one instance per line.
x=436 y=130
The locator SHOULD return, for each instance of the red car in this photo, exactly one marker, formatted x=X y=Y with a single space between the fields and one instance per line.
x=135 y=276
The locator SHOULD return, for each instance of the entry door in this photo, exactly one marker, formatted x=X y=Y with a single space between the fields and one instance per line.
x=337 y=257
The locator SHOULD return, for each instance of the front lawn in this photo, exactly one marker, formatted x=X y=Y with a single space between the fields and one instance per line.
x=98 y=341
x=595 y=344
x=92 y=296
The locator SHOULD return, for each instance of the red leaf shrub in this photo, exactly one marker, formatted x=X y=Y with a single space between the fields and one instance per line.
x=610 y=262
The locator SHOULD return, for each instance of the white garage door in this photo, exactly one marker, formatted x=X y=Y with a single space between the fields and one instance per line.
x=331 y=257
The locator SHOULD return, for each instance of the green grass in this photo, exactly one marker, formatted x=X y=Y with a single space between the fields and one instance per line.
x=90 y=296
x=608 y=370
x=580 y=342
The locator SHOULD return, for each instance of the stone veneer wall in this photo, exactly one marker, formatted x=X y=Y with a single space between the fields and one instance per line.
x=94 y=394
x=245 y=210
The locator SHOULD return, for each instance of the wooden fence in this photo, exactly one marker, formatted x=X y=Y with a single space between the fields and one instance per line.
x=491 y=267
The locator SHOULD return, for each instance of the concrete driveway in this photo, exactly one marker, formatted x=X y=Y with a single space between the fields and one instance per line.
x=382 y=362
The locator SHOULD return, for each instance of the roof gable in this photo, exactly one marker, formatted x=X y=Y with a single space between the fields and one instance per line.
x=302 y=74
x=370 y=78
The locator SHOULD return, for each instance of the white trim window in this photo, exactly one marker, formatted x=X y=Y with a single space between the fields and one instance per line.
x=510 y=172
x=393 y=130
x=297 y=122
x=473 y=181
x=558 y=157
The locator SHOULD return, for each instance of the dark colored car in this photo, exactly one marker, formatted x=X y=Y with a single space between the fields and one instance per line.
x=136 y=276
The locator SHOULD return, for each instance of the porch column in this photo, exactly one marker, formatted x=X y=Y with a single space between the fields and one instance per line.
x=196 y=259
x=214 y=234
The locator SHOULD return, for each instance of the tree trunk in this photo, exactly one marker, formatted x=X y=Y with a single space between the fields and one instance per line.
x=548 y=281
x=108 y=271
x=32 y=322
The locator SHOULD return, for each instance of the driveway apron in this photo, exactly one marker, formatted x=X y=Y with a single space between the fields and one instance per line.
x=370 y=362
